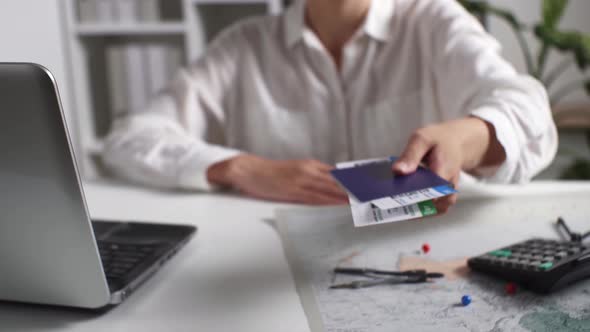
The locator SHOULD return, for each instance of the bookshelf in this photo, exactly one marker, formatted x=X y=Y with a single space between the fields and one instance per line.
x=174 y=32
x=98 y=30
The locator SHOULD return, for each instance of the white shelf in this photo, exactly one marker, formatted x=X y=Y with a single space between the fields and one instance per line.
x=86 y=45
x=230 y=2
x=125 y=29
x=95 y=147
x=275 y=6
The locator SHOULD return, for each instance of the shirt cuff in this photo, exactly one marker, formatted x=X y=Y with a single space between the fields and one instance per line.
x=192 y=174
x=507 y=138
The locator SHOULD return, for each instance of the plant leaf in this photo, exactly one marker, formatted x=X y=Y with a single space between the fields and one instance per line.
x=479 y=8
x=567 y=41
x=507 y=16
x=552 y=12
x=474 y=7
x=579 y=170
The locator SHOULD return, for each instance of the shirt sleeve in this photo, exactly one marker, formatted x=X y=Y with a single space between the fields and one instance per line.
x=166 y=146
x=472 y=78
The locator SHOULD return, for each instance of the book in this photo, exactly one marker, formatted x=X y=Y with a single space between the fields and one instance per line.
x=136 y=77
x=87 y=11
x=156 y=55
x=170 y=10
x=126 y=10
x=148 y=10
x=175 y=60
x=105 y=11
x=117 y=80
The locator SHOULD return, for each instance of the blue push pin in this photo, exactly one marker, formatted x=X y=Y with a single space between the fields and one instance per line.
x=466 y=300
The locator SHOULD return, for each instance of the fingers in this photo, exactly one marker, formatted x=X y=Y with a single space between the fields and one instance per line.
x=321 y=189
x=299 y=196
x=318 y=198
x=327 y=190
x=448 y=172
x=324 y=182
x=318 y=178
x=416 y=149
x=298 y=181
x=437 y=163
x=322 y=193
x=321 y=166
x=444 y=203
x=315 y=186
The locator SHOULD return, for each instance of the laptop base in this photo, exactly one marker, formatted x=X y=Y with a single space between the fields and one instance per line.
x=131 y=251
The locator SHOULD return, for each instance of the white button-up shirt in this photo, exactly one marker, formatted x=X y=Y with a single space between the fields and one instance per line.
x=268 y=86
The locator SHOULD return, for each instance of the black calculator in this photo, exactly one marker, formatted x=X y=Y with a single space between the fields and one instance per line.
x=541 y=265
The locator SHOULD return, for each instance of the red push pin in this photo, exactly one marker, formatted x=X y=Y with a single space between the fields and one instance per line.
x=511 y=288
x=425 y=248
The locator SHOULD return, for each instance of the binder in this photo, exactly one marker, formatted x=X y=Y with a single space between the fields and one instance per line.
x=105 y=11
x=117 y=80
x=87 y=11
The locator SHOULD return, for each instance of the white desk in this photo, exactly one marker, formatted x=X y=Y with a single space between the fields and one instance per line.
x=232 y=276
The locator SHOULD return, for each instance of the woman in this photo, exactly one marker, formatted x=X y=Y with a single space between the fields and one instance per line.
x=276 y=101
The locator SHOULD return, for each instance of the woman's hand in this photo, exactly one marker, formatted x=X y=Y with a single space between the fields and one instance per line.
x=450 y=147
x=297 y=181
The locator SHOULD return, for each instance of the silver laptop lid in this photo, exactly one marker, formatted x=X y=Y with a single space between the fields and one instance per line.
x=48 y=253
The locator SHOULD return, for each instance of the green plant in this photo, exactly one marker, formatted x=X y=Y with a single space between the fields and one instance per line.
x=574 y=44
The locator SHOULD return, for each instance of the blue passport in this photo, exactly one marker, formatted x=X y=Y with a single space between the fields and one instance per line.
x=377 y=180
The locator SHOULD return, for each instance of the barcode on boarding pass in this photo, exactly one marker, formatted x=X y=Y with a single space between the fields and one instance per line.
x=409 y=210
x=377 y=216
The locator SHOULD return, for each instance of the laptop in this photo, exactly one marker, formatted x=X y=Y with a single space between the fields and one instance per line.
x=51 y=252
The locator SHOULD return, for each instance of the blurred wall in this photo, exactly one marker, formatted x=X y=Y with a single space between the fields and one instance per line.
x=576 y=17
x=31 y=31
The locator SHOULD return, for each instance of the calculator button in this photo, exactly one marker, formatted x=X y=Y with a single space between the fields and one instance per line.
x=501 y=253
x=546 y=265
x=549 y=258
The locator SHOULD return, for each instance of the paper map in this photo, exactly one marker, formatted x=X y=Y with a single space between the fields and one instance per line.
x=317 y=240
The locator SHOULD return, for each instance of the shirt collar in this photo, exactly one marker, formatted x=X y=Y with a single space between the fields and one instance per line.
x=294 y=23
x=377 y=23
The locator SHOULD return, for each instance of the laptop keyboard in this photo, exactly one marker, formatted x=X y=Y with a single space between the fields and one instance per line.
x=120 y=260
